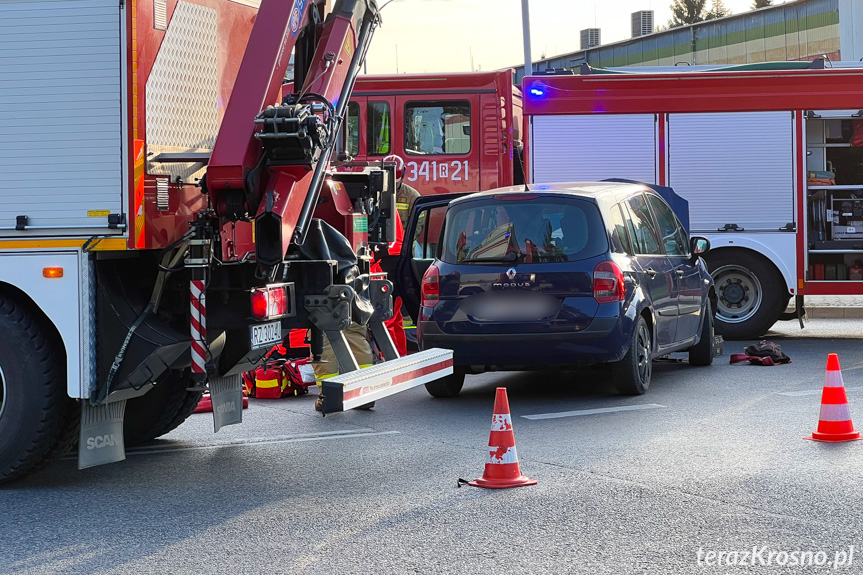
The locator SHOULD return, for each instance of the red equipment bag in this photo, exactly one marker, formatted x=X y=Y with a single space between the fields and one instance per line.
x=279 y=377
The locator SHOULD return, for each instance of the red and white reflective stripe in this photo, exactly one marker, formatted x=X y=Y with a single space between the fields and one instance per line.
x=501 y=422
x=501 y=455
x=198 y=314
x=375 y=382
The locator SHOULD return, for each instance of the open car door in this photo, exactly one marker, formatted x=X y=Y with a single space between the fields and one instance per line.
x=420 y=247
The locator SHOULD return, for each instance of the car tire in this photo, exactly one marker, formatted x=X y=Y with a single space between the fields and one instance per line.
x=632 y=373
x=750 y=293
x=160 y=410
x=701 y=353
x=448 y=386
x=38 y=420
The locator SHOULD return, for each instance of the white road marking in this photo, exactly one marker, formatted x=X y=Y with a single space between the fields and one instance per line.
x=593 y=411
x=812 y=392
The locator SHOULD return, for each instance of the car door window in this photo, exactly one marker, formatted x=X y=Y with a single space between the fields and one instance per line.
x=619 y=234
x=671 y=234
x=644 y=229
x=427 y=233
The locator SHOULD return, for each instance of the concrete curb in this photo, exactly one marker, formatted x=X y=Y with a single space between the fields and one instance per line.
x=835 y=312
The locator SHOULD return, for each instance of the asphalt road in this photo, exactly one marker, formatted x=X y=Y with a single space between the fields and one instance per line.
x=712 y=461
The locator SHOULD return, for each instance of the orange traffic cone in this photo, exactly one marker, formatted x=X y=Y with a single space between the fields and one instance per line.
x=834 y=423
x=501 y=467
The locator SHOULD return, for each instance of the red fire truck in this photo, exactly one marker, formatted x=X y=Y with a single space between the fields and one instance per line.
x=156 y=226
x=768 y=156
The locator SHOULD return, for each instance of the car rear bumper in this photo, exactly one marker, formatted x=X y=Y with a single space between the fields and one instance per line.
x=606 y=339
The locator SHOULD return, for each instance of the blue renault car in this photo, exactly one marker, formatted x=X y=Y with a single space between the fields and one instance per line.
x=557 y=275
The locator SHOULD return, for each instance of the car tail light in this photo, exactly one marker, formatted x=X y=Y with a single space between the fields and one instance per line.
x=430 y=288
x=608 y=283
x=270 y=302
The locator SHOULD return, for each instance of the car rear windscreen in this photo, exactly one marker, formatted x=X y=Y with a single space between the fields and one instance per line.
x=536 y=229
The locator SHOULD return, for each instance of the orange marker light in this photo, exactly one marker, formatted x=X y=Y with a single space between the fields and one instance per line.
x=52 y=272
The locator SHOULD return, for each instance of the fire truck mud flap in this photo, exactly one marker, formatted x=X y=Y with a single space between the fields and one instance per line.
x=369 y=384
x=101 y=440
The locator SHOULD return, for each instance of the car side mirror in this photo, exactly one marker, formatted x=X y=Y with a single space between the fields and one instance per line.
x=699 y=245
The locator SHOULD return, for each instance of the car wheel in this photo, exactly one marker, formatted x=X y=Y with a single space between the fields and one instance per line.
x=702 y=352
x=750 y=293
x=448 y=386
x=632 y=373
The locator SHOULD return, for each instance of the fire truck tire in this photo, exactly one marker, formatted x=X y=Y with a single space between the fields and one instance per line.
x=448 y=386
x=750 y=293
x=38 y=420
x=161 y=410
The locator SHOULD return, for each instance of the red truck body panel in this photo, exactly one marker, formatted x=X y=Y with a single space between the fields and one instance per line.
x=152 y=227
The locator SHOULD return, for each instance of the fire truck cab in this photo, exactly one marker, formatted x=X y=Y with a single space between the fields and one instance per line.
x=457 y=132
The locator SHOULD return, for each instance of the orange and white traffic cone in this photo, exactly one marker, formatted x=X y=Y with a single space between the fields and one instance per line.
x=834 y=423
x=501 y=467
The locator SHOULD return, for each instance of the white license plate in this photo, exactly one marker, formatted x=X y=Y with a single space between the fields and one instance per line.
x=266 y=334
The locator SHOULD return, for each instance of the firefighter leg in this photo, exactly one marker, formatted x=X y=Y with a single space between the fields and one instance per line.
x=351 y=352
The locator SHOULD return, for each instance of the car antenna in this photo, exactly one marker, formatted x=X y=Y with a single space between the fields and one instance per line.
x=526 y=189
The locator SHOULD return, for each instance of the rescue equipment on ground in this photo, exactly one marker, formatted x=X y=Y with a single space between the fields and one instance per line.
x=501 y=466
x=834 y=421
x=279 y=376
x=762 y=353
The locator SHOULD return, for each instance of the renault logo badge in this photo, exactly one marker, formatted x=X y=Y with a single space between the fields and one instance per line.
x=510 y=273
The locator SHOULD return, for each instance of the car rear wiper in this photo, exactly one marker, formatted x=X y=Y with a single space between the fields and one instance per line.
x=510 y=257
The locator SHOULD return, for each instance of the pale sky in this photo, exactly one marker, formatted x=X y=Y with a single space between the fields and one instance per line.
x=441 y=35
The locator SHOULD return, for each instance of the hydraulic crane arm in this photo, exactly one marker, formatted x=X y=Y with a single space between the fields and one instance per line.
x=269 y=159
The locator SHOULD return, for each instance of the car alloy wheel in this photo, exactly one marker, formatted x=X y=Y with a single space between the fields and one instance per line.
x=2 y=392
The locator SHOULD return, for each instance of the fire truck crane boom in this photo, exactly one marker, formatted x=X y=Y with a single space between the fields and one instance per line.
x=272 y=169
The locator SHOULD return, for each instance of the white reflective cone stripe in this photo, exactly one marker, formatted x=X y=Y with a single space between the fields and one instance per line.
x=501 y=455
x=834 y=412
x=501 y=422
x=833 y=379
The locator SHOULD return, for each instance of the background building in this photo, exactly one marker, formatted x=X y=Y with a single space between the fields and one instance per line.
x=590 y=38
x=801 y=30
x=642 y=23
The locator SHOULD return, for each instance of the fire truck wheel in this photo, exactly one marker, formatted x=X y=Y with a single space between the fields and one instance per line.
x=750 y=293
x=38 y=421
x=160 y=410
x=448 y=386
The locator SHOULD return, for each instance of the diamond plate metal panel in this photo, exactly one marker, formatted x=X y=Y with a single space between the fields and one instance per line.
x=182 y=90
